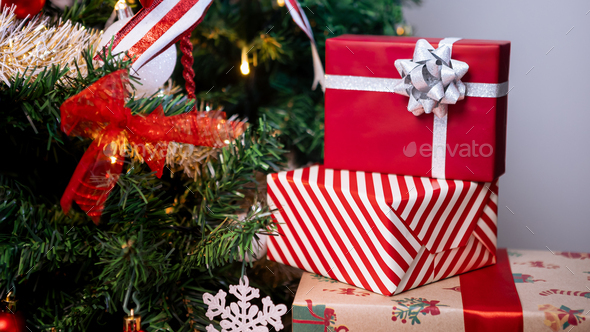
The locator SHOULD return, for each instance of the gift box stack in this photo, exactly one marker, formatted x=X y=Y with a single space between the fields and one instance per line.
x=415 y=137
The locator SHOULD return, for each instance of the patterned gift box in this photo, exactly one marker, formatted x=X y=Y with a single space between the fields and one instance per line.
x=525 y=291
x=384 y=233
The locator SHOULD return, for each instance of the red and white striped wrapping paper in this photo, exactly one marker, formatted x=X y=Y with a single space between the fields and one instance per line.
x=384 y=233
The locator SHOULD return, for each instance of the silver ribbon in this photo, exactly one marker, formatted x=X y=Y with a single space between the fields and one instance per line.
x=432 y=80
x=378 y=84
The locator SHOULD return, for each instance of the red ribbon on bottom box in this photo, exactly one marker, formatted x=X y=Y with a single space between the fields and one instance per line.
x=490 y=300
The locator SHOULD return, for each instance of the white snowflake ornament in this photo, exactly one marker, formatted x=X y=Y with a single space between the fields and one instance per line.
x=242 y=316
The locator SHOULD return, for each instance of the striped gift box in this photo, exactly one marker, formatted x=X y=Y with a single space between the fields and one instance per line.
x=384 y=233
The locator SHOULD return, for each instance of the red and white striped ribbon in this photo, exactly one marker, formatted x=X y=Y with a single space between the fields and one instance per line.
x=301 y=20
x=152 y=30
x=377 y=231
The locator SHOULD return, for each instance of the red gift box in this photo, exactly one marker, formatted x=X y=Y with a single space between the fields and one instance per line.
x=370 y=129
x=385 y=233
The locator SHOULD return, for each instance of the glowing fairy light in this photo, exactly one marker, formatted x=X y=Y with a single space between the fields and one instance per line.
x=245 y=67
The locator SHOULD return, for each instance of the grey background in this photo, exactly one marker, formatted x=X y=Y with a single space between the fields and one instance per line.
x=546 y=183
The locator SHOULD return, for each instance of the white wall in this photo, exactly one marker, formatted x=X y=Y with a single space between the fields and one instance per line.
x=546 y=184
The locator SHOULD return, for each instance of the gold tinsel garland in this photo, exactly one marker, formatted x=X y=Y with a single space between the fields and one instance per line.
x=31 y=45
x=180 y=158
x=188 y=158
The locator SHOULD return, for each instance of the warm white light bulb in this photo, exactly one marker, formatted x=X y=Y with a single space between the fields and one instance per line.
x=281 y=3
x=245 y=68
x=113 y=160
x=120 y=5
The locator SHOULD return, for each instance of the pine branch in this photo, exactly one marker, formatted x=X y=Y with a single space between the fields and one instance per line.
x=92 y=13
x=301 y=127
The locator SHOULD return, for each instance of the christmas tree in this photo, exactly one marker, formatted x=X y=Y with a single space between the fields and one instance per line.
x=158 y=243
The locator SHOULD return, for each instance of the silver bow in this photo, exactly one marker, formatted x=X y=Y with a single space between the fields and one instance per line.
x=431 y=79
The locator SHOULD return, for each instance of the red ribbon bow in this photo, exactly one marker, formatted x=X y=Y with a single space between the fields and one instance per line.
x=432 y=309
x=99 y=112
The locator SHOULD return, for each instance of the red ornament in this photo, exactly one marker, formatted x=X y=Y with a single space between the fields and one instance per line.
x=11 y=322
x=25 y=7
x=146 y=3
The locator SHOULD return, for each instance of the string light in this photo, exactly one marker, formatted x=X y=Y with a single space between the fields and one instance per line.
x=403 y=29
x=245 y=67
x=113 y=160
x=121 y=4
x=281 y=3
